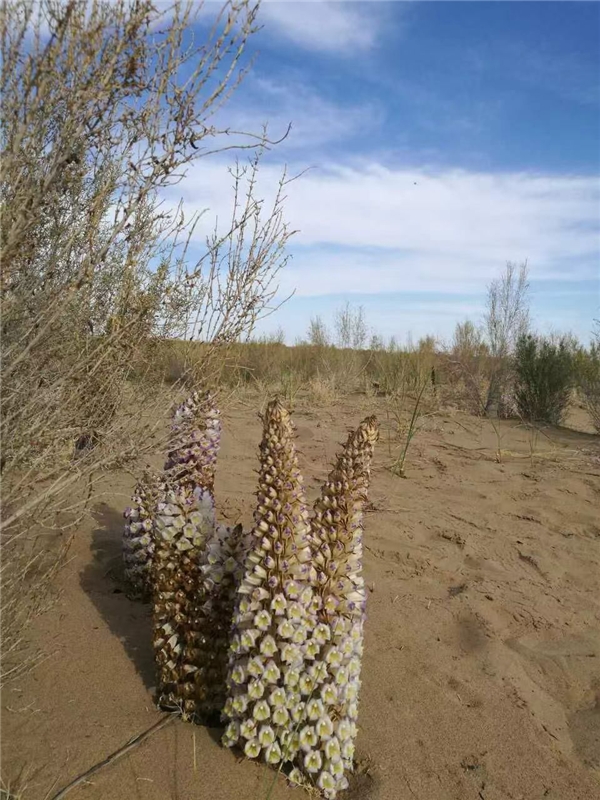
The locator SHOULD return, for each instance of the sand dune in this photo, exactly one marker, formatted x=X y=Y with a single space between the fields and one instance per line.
x=481 y=677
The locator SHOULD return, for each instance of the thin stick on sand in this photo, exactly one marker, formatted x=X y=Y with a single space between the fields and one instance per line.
x=162 y=723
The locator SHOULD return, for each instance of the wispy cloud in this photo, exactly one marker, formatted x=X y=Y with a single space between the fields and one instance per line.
x=316 y=121
x=369 y=229
x=342 y=28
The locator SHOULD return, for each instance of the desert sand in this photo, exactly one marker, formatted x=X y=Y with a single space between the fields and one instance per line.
x=481 y=675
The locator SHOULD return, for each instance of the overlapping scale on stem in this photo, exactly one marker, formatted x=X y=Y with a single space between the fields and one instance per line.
x=138 y=537
x=195 y=441
x=221 y=573
x=337 y=525
x=194 y=445
x=336 y=543
x=272 y=669
x=184 y=523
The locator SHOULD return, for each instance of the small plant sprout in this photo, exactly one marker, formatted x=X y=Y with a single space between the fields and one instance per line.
x=397 y=466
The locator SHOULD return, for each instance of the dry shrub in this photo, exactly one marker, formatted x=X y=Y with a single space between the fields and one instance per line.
x=104 y=106
x=322 y=391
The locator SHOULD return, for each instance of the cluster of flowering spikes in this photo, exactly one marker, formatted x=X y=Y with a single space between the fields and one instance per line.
x=194 y=445
x=297 y=635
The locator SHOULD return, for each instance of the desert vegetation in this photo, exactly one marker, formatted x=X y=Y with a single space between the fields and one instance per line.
x=103 y=107
x=129 y=361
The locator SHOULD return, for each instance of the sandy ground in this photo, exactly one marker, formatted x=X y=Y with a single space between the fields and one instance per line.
x=481 y=676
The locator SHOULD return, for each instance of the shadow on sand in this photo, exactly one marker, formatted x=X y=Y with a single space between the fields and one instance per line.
x=102 y=580
x=129 y=620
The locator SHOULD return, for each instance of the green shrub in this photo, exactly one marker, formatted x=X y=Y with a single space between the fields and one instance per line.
x=543 y=378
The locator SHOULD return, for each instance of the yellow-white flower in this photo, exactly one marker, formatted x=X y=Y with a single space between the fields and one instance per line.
x=232 y=733
x=261 y=711
x=256 y=689
x=248 y=638
x=295 y=611
x=278 y=697
x=273 y=754
x=326 y=781
x=266 y=735
x=280 y=715
x=329 y=694
x=262 y=620
x=308 y=738
x=332 y=748
x=348 y=749
x=291 y=654
x=292 y=590
x=295 y=777
x=318 y=671
x=324 y=727
x=238 y=674
x=272 y=672
x=297 y=712
x=341 y=676
x=344 y=730
x=312 y=649
x=255 y=667
x=285 y=629
x=306 y=596
x=248 y=728
x=313 y=761
x=239 y=703
x=314 y=709
x=321 y=633
x=291 y=677
x=268 y=646
x=354 y=667
x=336 y=767
x=306 y=684
x=278 y=604
x=351 y=692
x=252 y=748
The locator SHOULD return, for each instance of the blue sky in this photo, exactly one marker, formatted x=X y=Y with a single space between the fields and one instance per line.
x=444 y=139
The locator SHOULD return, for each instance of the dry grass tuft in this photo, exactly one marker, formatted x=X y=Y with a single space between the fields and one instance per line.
x=322 y=391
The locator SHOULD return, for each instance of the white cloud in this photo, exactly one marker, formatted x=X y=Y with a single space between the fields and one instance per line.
x=321 y=26
x=316 y=121
x=369 y=229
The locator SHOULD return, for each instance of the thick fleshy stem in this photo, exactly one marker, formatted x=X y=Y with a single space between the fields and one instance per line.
x=195 y=442
x=222 y=569
x=275 y=636
x=336 y=543
x=138 y=538
x=184 y=522
x=337 y=524
x=195 y=439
